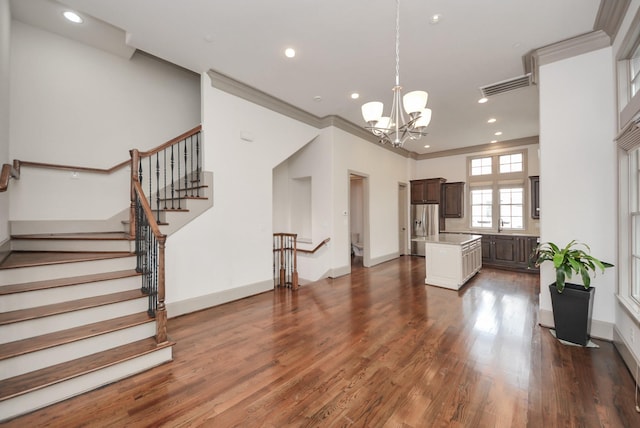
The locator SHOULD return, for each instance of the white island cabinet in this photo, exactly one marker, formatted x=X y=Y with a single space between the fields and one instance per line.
x=452 y=259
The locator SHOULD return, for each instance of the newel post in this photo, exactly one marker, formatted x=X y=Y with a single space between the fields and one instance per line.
x=161 y=310
x=135 y=164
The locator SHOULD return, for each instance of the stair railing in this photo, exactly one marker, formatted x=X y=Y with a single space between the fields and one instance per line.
x=8 y=172
x=285 y=259
x=173 y=171
x=169 y=173
x=150 y=261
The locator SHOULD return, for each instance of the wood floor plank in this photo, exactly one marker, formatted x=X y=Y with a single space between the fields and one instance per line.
x=374 y=348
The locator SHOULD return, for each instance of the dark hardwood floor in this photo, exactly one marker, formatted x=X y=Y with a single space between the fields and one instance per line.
x=371 y=349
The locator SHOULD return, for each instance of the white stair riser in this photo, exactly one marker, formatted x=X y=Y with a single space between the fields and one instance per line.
x=17 y=301
x=69 y=351
x=36 y=327
x=65 y=270
x=37 y=399
x=72 y=245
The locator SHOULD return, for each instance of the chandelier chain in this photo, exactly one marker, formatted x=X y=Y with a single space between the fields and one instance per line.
x=397 y=42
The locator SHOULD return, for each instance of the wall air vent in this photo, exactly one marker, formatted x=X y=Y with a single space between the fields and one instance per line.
x=506 y=85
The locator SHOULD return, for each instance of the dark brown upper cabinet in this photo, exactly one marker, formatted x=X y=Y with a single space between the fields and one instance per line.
x=452 y=205
x=426 y=191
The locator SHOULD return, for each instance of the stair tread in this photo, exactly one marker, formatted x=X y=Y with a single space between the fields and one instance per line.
x=101 y=236
x=60 y=372
x=32 y=344
x=63 y=282
x=18 y=259
x=70 y=306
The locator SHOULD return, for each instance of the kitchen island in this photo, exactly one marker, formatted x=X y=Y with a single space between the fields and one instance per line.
x=452 y=259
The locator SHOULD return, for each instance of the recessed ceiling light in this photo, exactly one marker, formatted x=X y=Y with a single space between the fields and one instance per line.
x=73 y=17
x=427 y=146
x=492 y=120
x=483 y=100
x=290 y=52
x=436 y=18
x=498 y=133
x=494 y=141
x=355 y=96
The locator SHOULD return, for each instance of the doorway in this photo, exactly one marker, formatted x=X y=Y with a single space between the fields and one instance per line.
x=359 y=219
x=403 y=220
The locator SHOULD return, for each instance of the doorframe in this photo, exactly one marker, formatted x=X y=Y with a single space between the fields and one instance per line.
x=366 y=236
x=403 y=219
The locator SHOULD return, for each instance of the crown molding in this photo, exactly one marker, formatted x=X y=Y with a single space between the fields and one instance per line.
x=610 y=16
x=526 y=141
x=569 y=48
x=256 y=96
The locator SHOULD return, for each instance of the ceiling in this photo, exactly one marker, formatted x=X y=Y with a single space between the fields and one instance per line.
x=346 y=46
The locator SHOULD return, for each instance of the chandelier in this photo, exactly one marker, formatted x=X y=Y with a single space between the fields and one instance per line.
x=394 y=129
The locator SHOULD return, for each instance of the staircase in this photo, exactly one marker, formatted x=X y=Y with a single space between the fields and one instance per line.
x=73 y=313
x=71 y=319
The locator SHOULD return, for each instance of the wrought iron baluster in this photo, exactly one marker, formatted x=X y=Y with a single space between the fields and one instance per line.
x=172 y=181
x=186 y=175
x=157 y=156
x=198 y=165
x=164 y=172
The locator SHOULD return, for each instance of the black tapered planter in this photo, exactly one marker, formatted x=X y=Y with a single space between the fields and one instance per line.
x=572 y=312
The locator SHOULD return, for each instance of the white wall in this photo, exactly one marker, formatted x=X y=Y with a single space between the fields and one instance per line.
x=76 y=105
x=226 y=253
x=5 y=44
x=454 y=168
x=577 y=170
x=383 y=170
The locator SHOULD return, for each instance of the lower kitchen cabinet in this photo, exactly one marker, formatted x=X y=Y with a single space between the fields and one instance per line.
x=510 y=252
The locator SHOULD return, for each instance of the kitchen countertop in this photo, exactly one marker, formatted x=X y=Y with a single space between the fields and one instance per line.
x=492 y=233
x=448 y=238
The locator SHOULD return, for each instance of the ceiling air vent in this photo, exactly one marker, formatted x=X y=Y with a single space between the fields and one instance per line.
x=506 y=85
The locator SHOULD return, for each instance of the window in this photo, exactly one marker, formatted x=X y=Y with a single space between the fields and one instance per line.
x=511 y=208
x=481 y=166
x=511 y=163
x=634 y=70
x=481 y=208
x=502 y=175
x=634 y=208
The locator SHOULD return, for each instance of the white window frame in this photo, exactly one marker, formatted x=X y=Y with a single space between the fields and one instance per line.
x=495 y=181
x=472 y=205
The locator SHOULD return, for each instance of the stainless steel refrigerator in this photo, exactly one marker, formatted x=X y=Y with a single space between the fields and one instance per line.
x=424 y=222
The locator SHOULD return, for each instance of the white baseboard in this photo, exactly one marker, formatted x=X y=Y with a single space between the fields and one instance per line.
x=377 y=260
x=599 y=329
x=625 y=352
x=182 y=307
x=340 y=271
x=305 y=281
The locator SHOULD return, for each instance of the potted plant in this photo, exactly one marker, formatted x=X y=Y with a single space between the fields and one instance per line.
x=572 y=303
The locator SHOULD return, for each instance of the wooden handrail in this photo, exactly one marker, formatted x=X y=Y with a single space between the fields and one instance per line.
x=315 y=249
x=147 y=210
x=113 y=168
x=172 y=142
x=161 y=310
x=8 y=171
x=74 y=168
